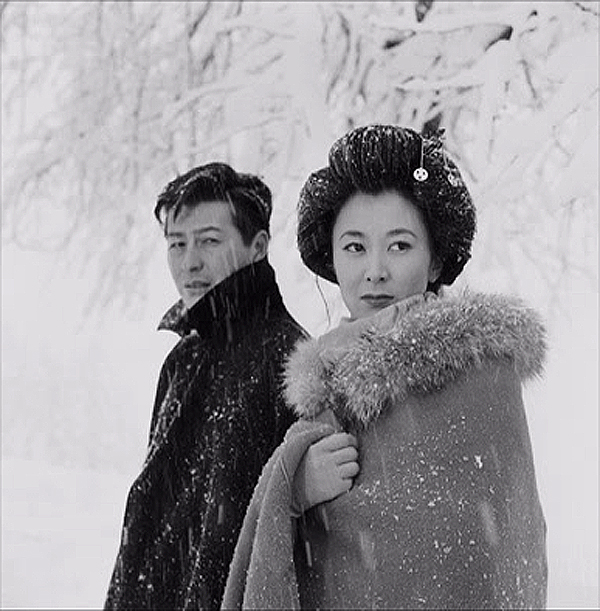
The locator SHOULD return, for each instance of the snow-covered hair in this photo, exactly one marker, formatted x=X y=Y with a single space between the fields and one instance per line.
x=249 y=196
x=376 y=158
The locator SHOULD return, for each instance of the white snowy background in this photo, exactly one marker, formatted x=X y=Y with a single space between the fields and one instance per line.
x=105 y=102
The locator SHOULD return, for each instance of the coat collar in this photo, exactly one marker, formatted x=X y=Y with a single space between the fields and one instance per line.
x=248 y=293
x=415 y=346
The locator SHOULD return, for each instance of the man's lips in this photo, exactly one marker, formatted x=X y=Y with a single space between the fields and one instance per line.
x=197 y=285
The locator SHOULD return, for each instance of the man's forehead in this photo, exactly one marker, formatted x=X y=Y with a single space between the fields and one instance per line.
x=215 y=213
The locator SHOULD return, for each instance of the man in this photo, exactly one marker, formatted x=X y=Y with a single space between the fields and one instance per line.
x=219 y=411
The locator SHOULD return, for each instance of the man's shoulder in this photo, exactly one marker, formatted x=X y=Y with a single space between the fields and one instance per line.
x=187 y=348
x=278 y=336
x=285 y=326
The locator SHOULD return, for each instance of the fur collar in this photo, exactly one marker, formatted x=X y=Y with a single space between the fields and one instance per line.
x=416 y=346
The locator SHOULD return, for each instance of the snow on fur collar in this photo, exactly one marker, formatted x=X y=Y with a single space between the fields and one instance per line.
x=416 y=346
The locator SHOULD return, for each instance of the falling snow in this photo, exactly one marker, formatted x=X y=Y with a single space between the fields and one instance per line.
x=75 y=402
x=425 y=508
x=219 y=414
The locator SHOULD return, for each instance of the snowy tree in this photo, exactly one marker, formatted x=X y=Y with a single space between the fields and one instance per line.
x=104 y=102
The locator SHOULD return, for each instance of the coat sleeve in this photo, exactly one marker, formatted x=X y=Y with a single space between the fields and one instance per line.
x=262 y=573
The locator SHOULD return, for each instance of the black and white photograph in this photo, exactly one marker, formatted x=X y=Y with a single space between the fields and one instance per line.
x=299 y=304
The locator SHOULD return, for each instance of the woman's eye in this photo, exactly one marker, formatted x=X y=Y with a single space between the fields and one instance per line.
x=400 y=246
x=210 y=241
x=354 y=247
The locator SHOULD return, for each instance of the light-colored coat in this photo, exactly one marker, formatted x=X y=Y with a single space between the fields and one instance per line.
x=445 y=510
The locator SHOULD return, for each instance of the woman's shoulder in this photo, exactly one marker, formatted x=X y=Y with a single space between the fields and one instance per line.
x=432 y=344
x=457 y=331
x=428 y=346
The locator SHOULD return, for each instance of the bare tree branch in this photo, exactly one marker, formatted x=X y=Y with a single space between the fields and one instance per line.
x=587 y=8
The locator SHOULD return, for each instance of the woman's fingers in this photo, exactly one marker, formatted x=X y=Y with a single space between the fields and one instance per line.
x=337 y=441
x=325 y=471
x=345 y=455
x=348 y=471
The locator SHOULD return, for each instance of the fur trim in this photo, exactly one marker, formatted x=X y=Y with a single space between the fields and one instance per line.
x=306 y=379
x=427 y=348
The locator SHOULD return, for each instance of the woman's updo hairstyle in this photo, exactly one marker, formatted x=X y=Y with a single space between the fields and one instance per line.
x=378 y=158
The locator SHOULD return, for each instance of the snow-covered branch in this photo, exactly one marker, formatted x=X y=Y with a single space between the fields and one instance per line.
x=103 y=103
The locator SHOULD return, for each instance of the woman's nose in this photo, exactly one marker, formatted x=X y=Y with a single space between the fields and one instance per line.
x=376 y=269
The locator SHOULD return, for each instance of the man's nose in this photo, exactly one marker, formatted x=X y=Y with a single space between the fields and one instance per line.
x=376 y=268
x=192 y=260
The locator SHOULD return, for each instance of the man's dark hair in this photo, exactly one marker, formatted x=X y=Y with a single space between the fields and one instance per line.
x=248 y=195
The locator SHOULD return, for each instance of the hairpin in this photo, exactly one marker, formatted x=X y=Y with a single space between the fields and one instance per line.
x=421 y=174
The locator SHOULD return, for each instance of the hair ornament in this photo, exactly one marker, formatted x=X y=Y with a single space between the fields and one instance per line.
x=421 y=174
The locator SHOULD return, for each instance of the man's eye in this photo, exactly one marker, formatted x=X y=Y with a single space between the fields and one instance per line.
x=176 y=245
x=210 y=241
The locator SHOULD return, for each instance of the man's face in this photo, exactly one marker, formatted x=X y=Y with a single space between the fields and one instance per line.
x=205 y=247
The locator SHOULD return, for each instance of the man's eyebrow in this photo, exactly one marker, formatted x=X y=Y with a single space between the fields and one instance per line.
x=181 y=234
x=208 y=228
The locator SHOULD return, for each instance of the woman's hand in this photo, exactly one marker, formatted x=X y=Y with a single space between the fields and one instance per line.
x=326 y=471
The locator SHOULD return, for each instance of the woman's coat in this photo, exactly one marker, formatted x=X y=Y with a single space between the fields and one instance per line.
x=445 y=510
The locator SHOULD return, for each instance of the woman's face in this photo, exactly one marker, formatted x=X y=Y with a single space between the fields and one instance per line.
x=381 y=252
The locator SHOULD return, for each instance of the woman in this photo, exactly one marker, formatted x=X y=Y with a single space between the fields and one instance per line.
x=444 y=512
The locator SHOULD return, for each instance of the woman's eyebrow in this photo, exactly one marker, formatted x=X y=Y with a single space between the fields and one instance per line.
x=352 y=233
x=401 y=231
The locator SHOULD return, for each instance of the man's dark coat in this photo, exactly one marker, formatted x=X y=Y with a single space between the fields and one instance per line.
x=218 y=415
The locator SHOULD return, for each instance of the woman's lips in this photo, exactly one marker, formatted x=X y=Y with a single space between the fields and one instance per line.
x=378 y=301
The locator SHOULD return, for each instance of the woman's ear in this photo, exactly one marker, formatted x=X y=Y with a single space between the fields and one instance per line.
x=260 y=246
x=435 y=269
